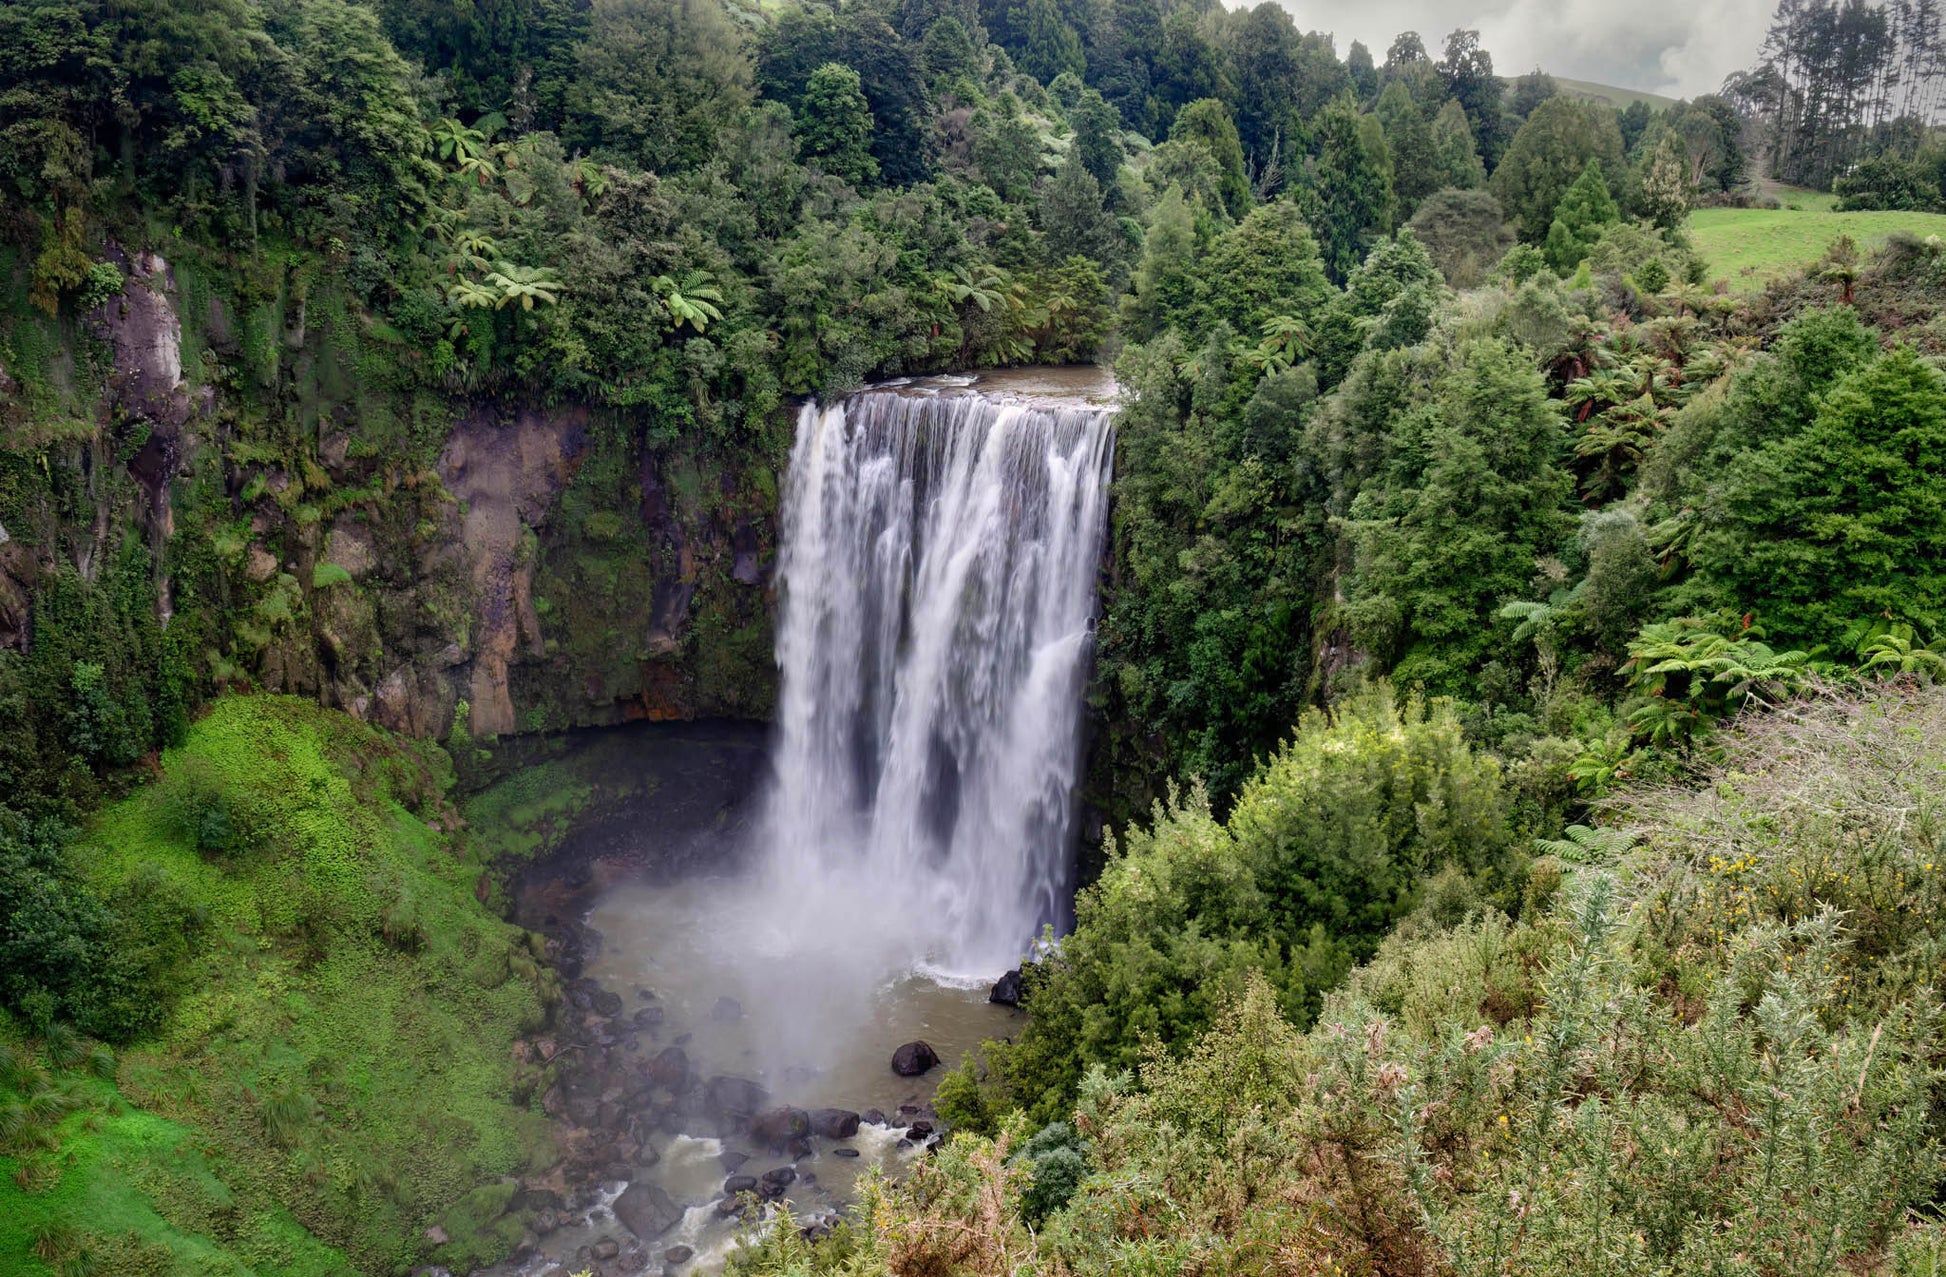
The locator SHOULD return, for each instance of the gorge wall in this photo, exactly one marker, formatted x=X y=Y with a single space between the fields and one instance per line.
x=422 y=561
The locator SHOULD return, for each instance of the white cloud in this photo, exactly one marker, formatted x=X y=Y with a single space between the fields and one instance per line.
x=1678 y=47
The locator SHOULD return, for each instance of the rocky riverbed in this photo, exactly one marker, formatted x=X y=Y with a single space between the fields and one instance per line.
x=682 y=1116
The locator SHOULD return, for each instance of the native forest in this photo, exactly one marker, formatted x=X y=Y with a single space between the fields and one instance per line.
x=967 y=638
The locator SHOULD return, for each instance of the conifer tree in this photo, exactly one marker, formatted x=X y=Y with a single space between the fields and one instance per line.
x=1417 y=168
x=1459 y=157
x=1208 y=122
x=1350 y=199
x=1579 y=219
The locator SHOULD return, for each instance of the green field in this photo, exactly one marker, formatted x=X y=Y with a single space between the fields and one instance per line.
x=1620 y=99
x=1751 y=246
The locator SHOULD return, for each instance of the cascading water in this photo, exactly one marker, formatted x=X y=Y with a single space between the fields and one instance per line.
x=940 y=547
x=938 y=577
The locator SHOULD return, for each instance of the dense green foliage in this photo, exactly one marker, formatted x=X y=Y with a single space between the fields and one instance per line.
x=339 y=1046
x=1326 y=849
x=1703 y=1045
x=1588 y=506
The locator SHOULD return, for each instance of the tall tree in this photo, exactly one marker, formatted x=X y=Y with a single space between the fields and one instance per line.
x=1463 y=520
x=1417 y=170
x=834 y=125
x=1549 y=153
x=1349 y=195
x=657 y=80
x=1207 y=123
x=1529 y=91
x=890 y=74
x=1459 y=158
x=1583 y=212
x=1096 y=140
x=1050 y=45
x=1839 y=522
x=1364 y=74
x=1467 y=70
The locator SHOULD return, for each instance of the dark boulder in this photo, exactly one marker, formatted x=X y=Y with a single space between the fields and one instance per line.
x=670 y=1068
x=646 y=1210
x=844 y=1152
x=919 y=1132
x=735 y=1097
x=726 y=1011
x=834 y=1124
x=739 y=1184
x=774 y=1182
x=606 y=1003
x=536 y=1199
x=779 y=1126
x=873 y=1117
x=914 y=1058
x=677 y=1255
x=1006 y=990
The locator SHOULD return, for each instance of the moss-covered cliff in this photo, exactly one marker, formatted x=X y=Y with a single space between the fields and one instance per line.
x=233 y=446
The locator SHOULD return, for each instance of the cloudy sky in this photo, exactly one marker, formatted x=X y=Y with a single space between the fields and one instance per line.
x=1678 y=47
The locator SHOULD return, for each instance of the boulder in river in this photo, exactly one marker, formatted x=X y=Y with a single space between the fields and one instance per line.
x=735 y=1098
x=677 y=1255
x=834 y=1124
x=1006 y=990
x=739 y=1184
x=779 y=1126
x=914 y=1058
x=646 y=1210
x=873 y=1117
x=670 y=1068
x=726 y=1011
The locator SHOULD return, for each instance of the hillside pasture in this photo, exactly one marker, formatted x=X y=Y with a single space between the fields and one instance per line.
x=1749 y=247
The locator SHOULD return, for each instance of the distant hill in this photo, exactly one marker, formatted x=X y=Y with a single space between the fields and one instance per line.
x=1620 y=99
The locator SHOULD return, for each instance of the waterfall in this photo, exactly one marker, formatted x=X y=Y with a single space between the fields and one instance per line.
x=937 y=572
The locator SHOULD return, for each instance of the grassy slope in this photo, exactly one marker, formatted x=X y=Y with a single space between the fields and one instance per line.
x=1749 y=247
x=339 y=1070
x=1620 y=99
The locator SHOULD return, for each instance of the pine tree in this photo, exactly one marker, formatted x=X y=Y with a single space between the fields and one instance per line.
x=1459 y=158
x=1052 y=45
x=1350 y=197
x=1095 y=128
x=1072 y=216
x=1579 y=219
x=1842 y=520
x=1665 y=188
x=1417 y=170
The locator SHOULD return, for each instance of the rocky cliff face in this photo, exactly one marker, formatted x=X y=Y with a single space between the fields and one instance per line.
x=491 y=565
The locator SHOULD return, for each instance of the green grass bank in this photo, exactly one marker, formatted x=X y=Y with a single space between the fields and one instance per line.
x=338 y=1071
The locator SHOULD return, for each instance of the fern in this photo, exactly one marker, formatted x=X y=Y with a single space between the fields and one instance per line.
x=1585 y=845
